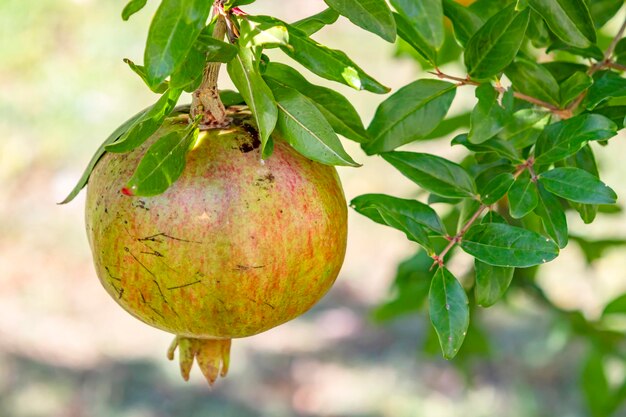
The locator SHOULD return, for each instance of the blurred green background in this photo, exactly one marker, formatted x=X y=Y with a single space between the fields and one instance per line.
x=67 y=350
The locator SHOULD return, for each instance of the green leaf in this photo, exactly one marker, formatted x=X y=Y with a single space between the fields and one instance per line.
x=533 y=80
x=613 y=113
x=245 y=74
x=133 y=7
x=523 y=196
x=503 y=245
x=205 y=49
x=616 y=306
x=619 y=54
x=174 y=28
x=314 y=23
x=163 y=162
x=327 y=63
x=584 y=159
x=410 y=286
x=372 y=205
x=426 y=17
x=603 y=10
x=607 y=84
x=496 y=188
x=496 y=43
x=231 y=98
x=337 y=109
x=450 y=125
x=409 y=114
x=433 y=173
x=538 y=31
x=304 y=127
x=412 y=37
x=491 y=282
x=464 y=21
x=561 y=70
x=264 y=33
x=575 y=85
x=449 y=311
x=371 y=15
x=592 y=51
x=488 y=117
x=229 y=4
x=141 y=71
x=98 y=154
x=568 y=19
x=148 y=123
x=595 y=385
x=577 y=185
x=523 y=129
x=565 y=138
x=500 y=147
x=552 y=216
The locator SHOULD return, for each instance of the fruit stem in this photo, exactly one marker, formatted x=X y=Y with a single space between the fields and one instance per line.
x=206 y=99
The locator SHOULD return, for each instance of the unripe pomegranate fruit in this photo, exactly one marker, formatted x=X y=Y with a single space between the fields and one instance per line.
x=234 y=247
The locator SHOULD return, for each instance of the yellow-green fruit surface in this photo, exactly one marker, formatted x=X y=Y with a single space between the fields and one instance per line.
x=235 y=247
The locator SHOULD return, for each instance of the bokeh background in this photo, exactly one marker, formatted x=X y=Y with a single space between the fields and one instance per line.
x=67 y=350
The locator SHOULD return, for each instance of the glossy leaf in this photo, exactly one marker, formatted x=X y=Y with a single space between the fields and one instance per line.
x=312 y=24
x=491 y=282
x=488 y=117
x=325 y=62
x=205 y=49
x=523 y=196
x=148 y=123
x=426 y=17
x=231 y=98
x=603 y=10
x=410 y=113
x=565 y=138
x=163 y=162
x=503 y=245
x=577 y=185
x=552 y=215
x=449 y=311
x=464 y=21
x=561 y=70
x=496 y=188
x=568 y=19
x=607 y=84
x=371 y=15
x=613 y=113
x=524 y=127
x=433 y=173
x=263 y=33
x=413 y=38
x=304 y=127
x=245 y=74
x=337 y=110
x=533 y=80
x=592 y=51
x=133 y=7
x=371 y=205
x=98 y=154
x=174 y=28
x=141 y=72
x=496 y=43
x=499 y=146
x=575 y=85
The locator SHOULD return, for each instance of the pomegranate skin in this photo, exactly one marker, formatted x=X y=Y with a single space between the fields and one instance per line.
x=234 y=247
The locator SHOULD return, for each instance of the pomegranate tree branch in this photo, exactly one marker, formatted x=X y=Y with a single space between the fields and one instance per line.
x=500 y=89
x=609 y=52
x=439 y=259
x=205 y=100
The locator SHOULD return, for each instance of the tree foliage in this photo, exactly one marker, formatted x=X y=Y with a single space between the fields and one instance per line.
x=549 y=88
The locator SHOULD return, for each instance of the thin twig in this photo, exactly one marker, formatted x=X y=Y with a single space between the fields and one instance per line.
x=500 y=89
x=439 y=259
x=609 y=52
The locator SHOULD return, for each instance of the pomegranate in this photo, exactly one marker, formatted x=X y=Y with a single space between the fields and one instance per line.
x=234 y=247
